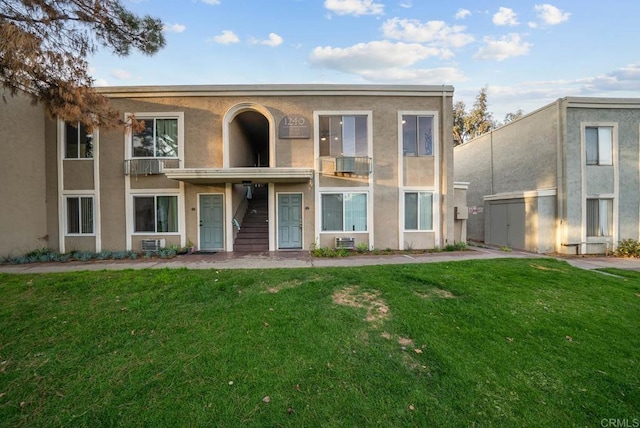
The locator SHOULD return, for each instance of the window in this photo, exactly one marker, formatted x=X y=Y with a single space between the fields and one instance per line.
x=79 y=215
x=343 y=136
x=418 y=211
x=598 y=143
x=344 y=212
x=78 y=141
x=599 y=217
x=417 y=135
x=156 y=214
x=159 y=139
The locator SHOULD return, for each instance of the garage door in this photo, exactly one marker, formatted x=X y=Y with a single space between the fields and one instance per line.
x=507 y=224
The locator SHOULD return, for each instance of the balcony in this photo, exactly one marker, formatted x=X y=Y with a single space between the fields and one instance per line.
x=148 y=166
x=346 y=166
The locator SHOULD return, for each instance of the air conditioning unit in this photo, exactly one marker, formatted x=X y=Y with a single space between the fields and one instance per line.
x=143 y=166
x=152 y=245
x=348 y=243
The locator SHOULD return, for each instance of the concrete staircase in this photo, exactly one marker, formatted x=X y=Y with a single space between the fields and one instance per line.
x=254 y=228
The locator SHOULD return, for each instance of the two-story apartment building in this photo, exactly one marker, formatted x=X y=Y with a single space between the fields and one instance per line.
x=564 y=178
x=234 y=168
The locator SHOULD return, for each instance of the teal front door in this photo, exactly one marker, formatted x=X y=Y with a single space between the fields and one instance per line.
x=211 y=223
x=290 y=221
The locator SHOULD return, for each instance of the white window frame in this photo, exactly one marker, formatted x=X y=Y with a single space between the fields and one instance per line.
x=610 y=221
x=155 y=115
x=155 y=196
x=65 y=126
x=433 y=210
x=66 y=214
x=344 y=193
x=434 y=134
x=601 y=160
x=316 y=130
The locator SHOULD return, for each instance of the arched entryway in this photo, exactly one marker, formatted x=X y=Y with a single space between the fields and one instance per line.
x=248 y=137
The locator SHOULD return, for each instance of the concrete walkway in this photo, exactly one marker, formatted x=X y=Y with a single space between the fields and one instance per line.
x=301 y=259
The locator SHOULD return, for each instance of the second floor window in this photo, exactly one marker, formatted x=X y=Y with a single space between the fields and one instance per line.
x=598 y=142
x=417 y=135
x=343 y=135
x=78 y=141
x=159 y=139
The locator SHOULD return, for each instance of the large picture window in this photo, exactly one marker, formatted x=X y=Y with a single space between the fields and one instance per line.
x=79 y=215
x=344 y=212
x=599 y=142
x=78 y=141
x=418 y=211
x=343 y=135
x=417 y=135
x=159 y=139
x=155 y=214
x=599 y=217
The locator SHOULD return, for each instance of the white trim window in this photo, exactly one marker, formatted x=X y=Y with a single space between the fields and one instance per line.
x=417 y=135
x=155 y=214
x=78 y=141
x=599 y=217
x=599 y=145
x=158 y=139
x=79 y=215
x=344 y=135
x=418 y=211
x=344 y=212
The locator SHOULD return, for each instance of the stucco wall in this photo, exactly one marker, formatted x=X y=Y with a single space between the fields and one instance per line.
x=518 y=157
x=600 y=179
x=23 y=212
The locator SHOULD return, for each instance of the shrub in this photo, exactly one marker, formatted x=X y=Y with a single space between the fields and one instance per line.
x=362 y=247
x=628 y=248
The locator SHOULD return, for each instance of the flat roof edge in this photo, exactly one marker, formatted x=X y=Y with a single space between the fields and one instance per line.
x=274 y=90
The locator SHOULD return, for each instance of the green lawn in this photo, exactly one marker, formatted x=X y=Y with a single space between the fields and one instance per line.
x=517 y=342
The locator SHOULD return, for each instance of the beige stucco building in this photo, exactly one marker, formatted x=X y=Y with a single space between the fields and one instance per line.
x=234 y=168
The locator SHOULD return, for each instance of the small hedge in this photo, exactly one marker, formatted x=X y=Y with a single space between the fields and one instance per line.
x=628 y=248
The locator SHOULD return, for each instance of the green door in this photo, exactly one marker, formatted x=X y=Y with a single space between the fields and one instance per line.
x=290 y=221
x=211 y=223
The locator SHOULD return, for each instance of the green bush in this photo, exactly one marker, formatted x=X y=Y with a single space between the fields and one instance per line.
x=628 y=248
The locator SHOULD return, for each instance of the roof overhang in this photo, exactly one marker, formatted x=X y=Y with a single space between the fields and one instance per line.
x=239 y=175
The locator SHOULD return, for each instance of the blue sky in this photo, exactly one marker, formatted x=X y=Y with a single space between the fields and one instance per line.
x=528 y=53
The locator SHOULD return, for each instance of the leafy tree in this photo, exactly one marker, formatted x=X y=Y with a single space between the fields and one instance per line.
x=460 y=134
x=44 y=45
x=510 y=117
x=478 y=121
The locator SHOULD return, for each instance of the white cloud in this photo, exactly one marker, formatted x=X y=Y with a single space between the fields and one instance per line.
x=406 y=4
x=273 y=40
x=211 y=2
x=500 y=49
x=385 y=61
x=121 y=74
x=623 y=79
x=424 y=76
x=174 y=28
x=100 y=82
x=462 y=13
x=354 y=7
x=377 y=55
x=505 y=16
x=412 y=30
x=550 y=14
x=226 y=38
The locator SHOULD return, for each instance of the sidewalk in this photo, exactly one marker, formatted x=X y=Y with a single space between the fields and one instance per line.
x=302 y=259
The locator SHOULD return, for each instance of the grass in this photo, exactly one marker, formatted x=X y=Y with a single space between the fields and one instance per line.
x=502 y=342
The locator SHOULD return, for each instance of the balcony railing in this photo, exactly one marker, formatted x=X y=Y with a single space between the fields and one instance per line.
x=151 y=166
x=346 y=166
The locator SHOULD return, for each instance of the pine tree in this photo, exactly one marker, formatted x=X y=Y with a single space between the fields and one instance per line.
x=44 y=47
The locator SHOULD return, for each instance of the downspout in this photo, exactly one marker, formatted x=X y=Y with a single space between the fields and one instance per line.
x=443 y=172
x=561 y=209
x=491 y=159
